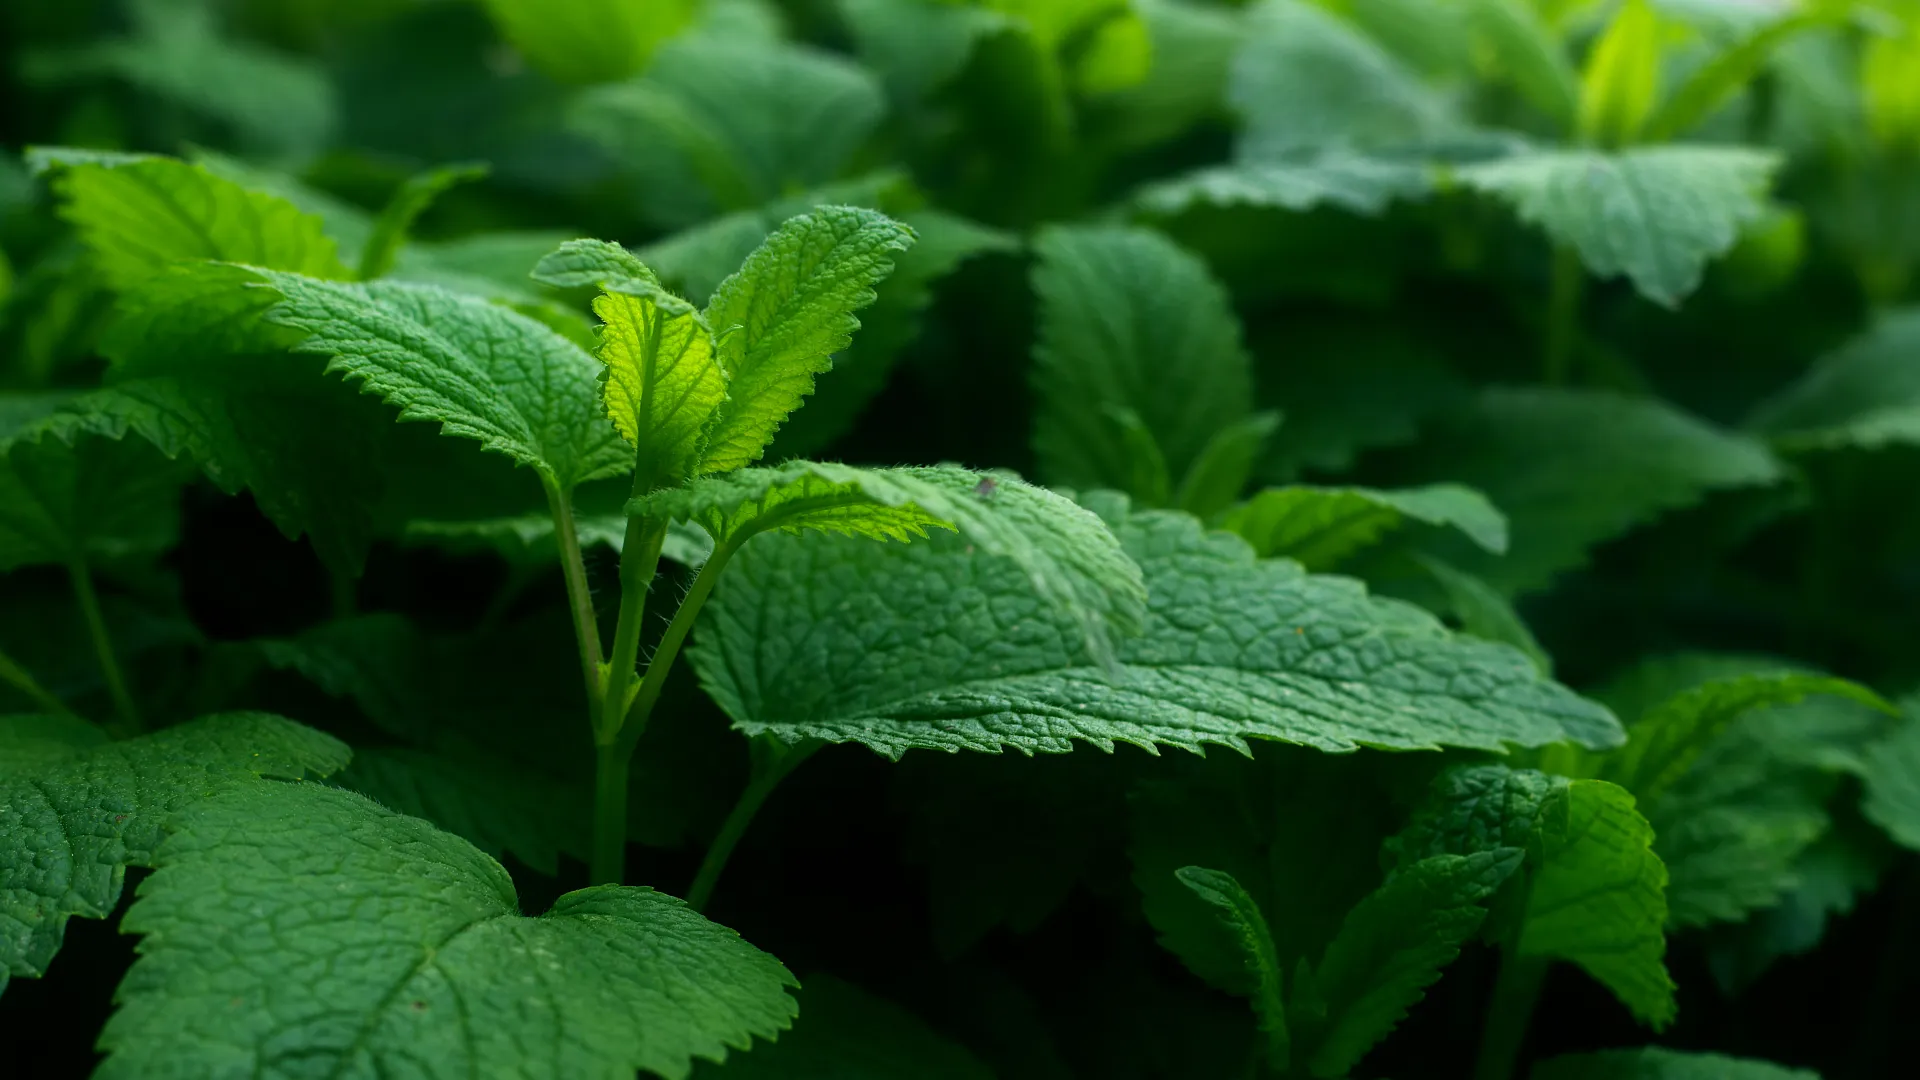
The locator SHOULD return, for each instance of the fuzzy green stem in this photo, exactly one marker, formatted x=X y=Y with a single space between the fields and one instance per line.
x=772 y=761
x=635 y=722
x=123 y=706
x=609 y=865
x=639 y=562
x=17 y=677
x=1563 y=314
x=573 y=567
x=1515 y=992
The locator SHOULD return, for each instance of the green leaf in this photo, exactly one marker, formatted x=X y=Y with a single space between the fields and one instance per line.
x=1865 y=394
x=1069 y=561
x=1599 y=899
x=1320 y=527
x=1657 y=1063
x=1234 y=649
x=414 y=196
x=1657 y=214
x=481 y=371
x=845 y=1033
x=1340 y=179
x=1394 y=944
x=783 y=315
x=727 y=124
x=1892 y=779
x=423 y=959
x=1572 y=469
x=1305 y=79
x=663 y=383
x=1525 y=51
x=917 y=46
x=589 y=41
x=492 y=803
x=1128 y=320
x=1730 y=71
x=1664 y=744
x=1218 y=475
x=32 y=744
x=1622 y=76
x=1483 y=612
x=1349 y=387
x=71 y=825
x=140 y=214
x=74 y=488
x=1240 y=920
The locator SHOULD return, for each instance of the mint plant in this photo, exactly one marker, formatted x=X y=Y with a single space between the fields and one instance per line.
x=959 y=538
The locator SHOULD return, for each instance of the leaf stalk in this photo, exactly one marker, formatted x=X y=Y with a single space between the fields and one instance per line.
x=83 y=591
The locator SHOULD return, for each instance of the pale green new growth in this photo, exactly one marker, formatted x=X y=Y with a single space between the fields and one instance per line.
x=782 y=316
x=1130 y=321
x=1319 y=527
x=72 y=821
x=1658 y=1063
x=1240 y=920
x=138 y=215
x=375 y=944
x=485 y=373
x=1395 y=944
x=663 y=382
x=1657 y=214
x=942 y=645
x=1599 y=897
x=1069 y=560
x=415 y=195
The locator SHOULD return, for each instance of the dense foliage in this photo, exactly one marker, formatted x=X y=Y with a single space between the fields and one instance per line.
x=1308 y=537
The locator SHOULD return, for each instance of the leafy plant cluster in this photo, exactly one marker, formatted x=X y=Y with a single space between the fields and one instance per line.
x=1422 y=488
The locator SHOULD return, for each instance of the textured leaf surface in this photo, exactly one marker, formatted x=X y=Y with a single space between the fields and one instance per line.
x=1866 y=394
x=846 y=1033
x=488 y=801
x=941 y=645
x=1239 y=919
x=1892 y=779
x=784 y=314
x=72 y=486
x=140 y=214
x=1318 y=526
x=1130 y=321
x=1483 y=612
x=375 y=943
x=1348 y=181
x=1069 y=559
x=1395 y=944
x=1656 y=214
x=481 y=371
x=1657 y=1063
x=1599 y=897
x=71 y=824
x=1572 y=469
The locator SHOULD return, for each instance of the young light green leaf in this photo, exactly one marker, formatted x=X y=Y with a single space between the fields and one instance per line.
x=845 y=1033
x=1657 y=214
x=71 y=825
x=481 y=371
x=783 y=315
x=1572 y=469
x=1240 y=920
x=1128 y=320
x=1235 y=649
x=1622 y=76
x=419 y=957
x=1866 y=394
x=1068 y=558
x=1658 y=1063
x=1599 y=899
x=139 y=215
x=414 y=196
x=1394 y=945
x=74 y=488
x=1664 y=744
x=1305 y=80
x=1319 y=527
x=588 y=41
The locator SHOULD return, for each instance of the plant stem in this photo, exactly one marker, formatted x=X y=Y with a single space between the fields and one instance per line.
x=17 y=677
x=103 y=645
x=639 y=562
x=635 y=721
x=1514 y=993
x=1563 y=313
x=609 y=864
x=772 y=761
x=574 y=568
